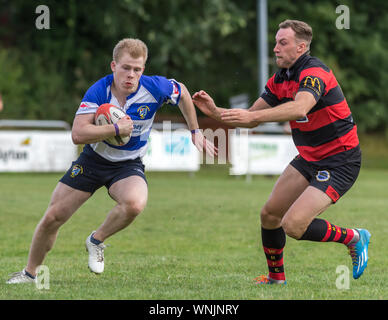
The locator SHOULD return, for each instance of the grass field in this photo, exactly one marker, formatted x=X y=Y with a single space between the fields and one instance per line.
x=197 y=239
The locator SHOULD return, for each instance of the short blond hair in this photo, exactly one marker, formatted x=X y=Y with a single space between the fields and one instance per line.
x=303 y=32
x=135 y=47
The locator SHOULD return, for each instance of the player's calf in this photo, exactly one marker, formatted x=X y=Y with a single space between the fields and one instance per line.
x=356 y=240
x=323 y=231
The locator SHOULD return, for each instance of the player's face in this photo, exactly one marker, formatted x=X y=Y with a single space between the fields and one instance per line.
x=286 y=50
x=127 y=72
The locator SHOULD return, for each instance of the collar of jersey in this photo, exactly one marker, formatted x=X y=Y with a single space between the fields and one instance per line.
x=295 y=67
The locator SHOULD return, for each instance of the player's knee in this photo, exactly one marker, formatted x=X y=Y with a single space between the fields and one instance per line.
x=133 y=208
x=292 y=228
x=52 y=219
x=268 y=216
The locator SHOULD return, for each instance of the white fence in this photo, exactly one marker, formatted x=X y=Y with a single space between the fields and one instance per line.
x=260 y=154
x=170 y=149
x=34 y=150
x=53 y=151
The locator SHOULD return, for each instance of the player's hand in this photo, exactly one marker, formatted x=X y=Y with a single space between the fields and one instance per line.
x=202 y=144
x=206 y=104
x=239 y=117
x=125 y=125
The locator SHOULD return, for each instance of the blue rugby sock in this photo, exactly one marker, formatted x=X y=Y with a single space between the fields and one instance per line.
x=28 y=274
x=94 y=241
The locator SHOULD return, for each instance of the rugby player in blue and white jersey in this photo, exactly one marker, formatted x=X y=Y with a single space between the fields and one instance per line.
x=119 y=169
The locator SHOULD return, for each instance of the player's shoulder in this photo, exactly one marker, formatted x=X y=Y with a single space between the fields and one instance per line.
x=314 y=67
x=314 y=62
x=153 y=82
x=98 y=92
x=158 y=86
x=102 y=83
x=162 y=89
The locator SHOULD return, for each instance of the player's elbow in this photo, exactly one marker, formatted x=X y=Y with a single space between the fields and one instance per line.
x=300 y=112
x=300 y=115
x=185 y=98
x=302 y=105
x=76 y=138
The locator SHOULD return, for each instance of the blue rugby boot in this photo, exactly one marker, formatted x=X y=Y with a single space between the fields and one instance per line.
x=359 y=253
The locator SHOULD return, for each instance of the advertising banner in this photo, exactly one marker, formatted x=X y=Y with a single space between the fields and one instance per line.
x=53 y=151
x=260 y=154
x=171 y=151
x=39 y=151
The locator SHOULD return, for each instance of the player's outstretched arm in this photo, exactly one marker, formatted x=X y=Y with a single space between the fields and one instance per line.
x=188 y=110
x=291 y=110
x=206 y=104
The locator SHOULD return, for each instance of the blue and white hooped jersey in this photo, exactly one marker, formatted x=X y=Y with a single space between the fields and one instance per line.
x=141 y=106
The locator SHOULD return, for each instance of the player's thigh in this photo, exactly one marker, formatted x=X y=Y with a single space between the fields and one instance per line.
x=64 y=201
x=309 y=205
x=287 y=189
x=131 y=191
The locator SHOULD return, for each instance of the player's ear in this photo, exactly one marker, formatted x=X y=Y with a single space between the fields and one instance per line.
x=113 y=66
x=301 y=47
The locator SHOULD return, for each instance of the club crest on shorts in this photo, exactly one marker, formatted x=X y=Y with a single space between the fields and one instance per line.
x=142 y=111
x=76 y=170
x=323 y=175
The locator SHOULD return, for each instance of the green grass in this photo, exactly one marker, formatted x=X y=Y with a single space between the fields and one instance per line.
x=374 y=150
x=197 y=239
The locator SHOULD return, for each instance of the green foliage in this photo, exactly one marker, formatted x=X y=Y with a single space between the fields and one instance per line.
x=12 y=88
x=206 y=44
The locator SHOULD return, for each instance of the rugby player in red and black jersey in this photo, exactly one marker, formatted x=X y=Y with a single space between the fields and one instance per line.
x=305 y=92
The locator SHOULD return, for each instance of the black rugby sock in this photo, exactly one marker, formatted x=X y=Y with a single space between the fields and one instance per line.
x=323 y=231
x=274 y=241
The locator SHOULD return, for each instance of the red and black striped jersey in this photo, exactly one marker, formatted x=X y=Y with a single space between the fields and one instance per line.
x=327 y=136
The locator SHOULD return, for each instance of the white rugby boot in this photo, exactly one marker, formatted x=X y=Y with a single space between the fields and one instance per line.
x=96 y=255
x=20 y=277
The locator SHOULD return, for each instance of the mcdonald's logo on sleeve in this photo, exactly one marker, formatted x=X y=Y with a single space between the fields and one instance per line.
x=313 y=83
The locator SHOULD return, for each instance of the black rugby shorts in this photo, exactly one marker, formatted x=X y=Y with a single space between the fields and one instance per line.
x=332 y=181
x=91 y=172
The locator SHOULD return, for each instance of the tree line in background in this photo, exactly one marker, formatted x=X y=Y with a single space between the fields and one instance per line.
x=206 y=44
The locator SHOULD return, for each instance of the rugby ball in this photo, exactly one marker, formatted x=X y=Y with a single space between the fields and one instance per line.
x=109 y=114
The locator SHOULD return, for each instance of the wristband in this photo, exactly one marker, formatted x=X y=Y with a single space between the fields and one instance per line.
x=195 y=131
x=116 y=129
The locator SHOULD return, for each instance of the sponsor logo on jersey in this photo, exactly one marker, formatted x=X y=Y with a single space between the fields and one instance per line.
x=313 y=83
x=76 y=170
x=142 y=111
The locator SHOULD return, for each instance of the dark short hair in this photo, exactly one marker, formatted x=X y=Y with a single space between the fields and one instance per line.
x=302 y=30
